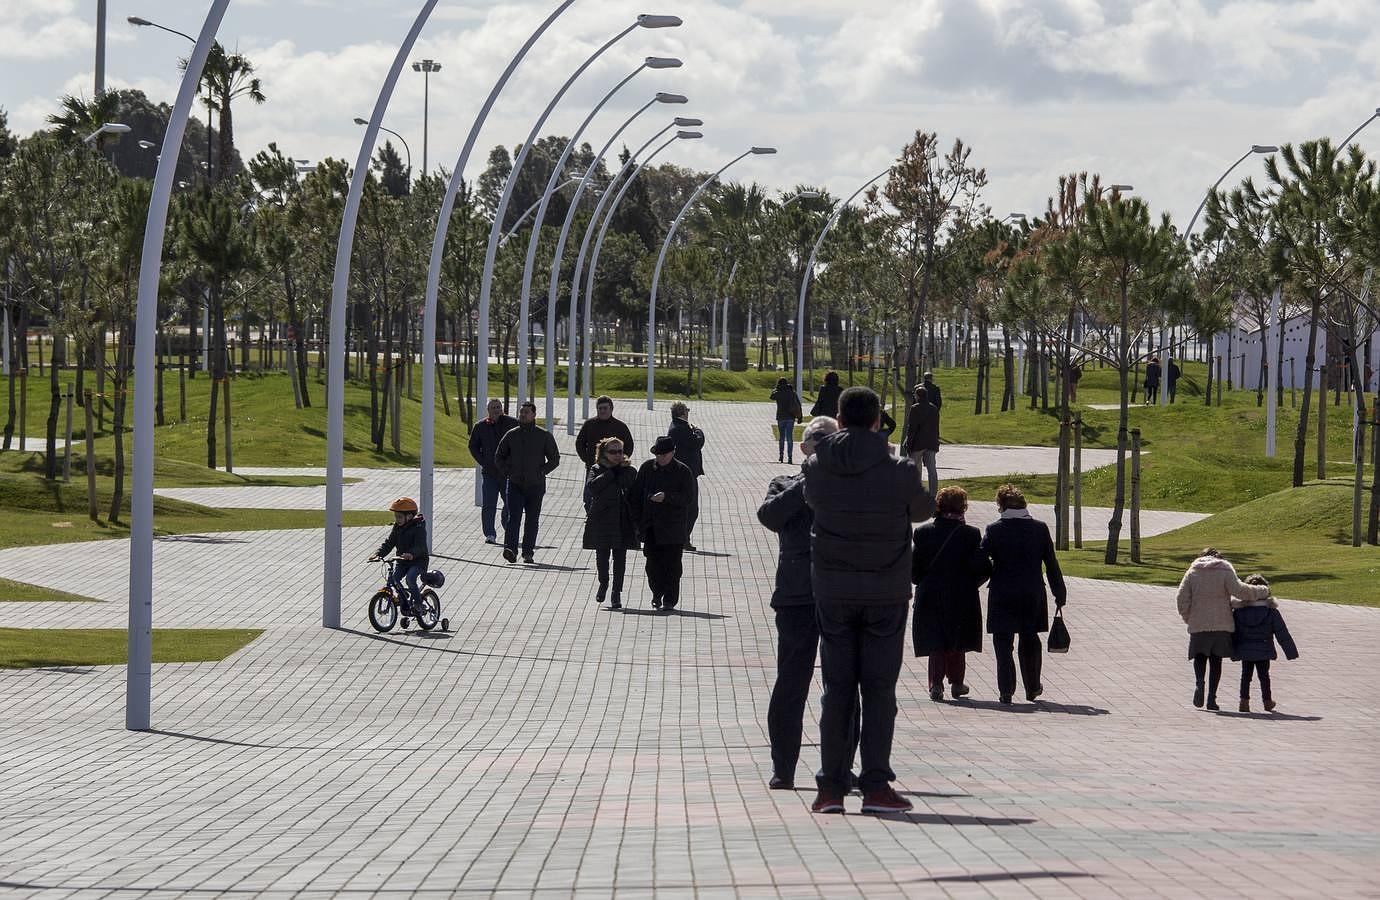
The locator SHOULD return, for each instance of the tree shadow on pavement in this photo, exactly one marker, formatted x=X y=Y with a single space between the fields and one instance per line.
x=1040 y=706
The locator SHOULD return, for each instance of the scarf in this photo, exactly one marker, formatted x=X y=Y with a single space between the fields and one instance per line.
x=954 y=517
x=1021 y=513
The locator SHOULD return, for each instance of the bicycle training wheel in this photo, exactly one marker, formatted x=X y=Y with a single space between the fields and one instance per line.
x=383 y=612
x=428 y=610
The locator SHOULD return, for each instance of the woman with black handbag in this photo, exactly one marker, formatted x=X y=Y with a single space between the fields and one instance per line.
x=947 y=568
x=609 y=530
x=1019 y=546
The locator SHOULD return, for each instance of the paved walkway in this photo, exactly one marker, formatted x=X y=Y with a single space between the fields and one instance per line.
x=550 y=747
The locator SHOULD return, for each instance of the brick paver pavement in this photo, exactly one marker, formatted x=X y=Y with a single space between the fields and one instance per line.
x=548 y=747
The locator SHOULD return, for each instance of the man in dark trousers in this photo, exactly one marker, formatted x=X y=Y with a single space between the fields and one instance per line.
x=525 y=456
x=927 y=382
x=689 y=441
x=1172 y=378
x=483 y=445
x=922 y=436
x=864 y=500
x=1152 y=381
x=603 y=425
x=660 y=499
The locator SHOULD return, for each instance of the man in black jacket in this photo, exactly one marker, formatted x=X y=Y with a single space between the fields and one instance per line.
x=864 y=501
x=689 y=441
x=603 y=425
x=922 y=436
x=927 y=382
x=483 y=444
x=660 y=497
x=785 y=512
x=525 y=456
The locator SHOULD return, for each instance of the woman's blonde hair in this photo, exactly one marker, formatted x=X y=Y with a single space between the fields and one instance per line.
x=605 y=444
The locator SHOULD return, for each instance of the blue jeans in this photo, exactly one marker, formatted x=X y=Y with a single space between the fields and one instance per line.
x=522 y=502
x=786 y=439
x=409 y=573
x=492 y=486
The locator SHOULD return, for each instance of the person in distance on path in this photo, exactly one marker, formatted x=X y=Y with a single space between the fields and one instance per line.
x=922 y=436
x=788 y=415
x=864 y=500
x=689 y=441
x=525 y=456
x=661 y=498
x=609 y=528
x=948 y=568
x=483 y=444
x=1152 y=381
x=827 y=401
x=927 y=382
x=603 y=425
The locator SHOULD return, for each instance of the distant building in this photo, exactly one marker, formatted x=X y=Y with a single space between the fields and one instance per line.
x=1246 y=371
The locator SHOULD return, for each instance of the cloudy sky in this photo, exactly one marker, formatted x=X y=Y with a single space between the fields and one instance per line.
x=1162 y=94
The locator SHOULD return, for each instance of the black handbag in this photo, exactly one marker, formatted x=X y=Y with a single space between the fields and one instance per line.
x=1058 y=634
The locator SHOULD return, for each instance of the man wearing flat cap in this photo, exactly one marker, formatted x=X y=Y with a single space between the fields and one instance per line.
x=661 y=498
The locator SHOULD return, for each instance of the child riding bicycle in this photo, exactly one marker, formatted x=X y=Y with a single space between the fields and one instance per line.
x=408 y=540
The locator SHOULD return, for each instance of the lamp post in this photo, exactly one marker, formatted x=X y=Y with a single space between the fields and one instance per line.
x=140 y=22
x=139 y=665
x=486 y=282
x=426 y=67
x=100 y=48
x=809 y=272
x=433 y=277
x=633 y=166
x=1350 y=137
x=517 y=224
x=553 y=287
x=107 y=128
x=661 y=261
x=529 y=265
x=335 y=368
x=402 y=140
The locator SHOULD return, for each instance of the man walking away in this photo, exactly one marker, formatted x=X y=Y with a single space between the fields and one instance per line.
x=689 y=441
x=864 y=501
x=660 y=497
x=525 y=456
x=603 y=425
x=927 y=382
x=483 y=445
x=922 y=438
x=1172 y=379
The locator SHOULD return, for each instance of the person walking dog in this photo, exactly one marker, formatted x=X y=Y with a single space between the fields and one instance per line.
x=609 y=529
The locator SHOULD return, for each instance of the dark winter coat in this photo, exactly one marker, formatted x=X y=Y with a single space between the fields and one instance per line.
x=936 y=397
x=595 y=430
x=484 y=442
x=827 y=401
x=409 y=537
x=948 y=568
x=1174 y=373
x=1152 y=375
x=888 y=425
x=785 y=512
x=608 y=515
x=1258 y=626
x=526 y=455
x=1016 y=600
x=787 y=404
x=689 y=444
x=664 y=523
x=864 y=500
x=923 y=428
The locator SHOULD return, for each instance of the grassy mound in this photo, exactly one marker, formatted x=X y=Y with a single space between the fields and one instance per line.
x=30 y=648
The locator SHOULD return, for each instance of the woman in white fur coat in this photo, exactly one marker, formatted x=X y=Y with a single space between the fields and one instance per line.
x=1205 y=603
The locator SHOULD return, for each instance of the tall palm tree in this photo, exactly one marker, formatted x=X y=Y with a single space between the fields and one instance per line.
x=227 y=78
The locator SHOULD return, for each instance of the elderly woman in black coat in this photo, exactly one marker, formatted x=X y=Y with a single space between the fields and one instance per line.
x=1019 y=546
x=947 y=568
x=609 y=530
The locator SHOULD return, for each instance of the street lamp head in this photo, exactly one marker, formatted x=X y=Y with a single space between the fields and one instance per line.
x=689 y=135
x=135 y=20
x=426 y=65
x=1120 y=187
x=662 y=62
x=1264 y=148
x=647 y=21
x=359 y=121
x=762 y=151
x=115 y=128
x=688 y=123
x=147 y=145
x=662 y=97
x=808 y=195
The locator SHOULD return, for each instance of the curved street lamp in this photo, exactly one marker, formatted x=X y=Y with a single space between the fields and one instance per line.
x=530 y=263
x=632 y=165
x=553 y=288
x=517 y=226
x=661 y=260
x=486 y=282
x=1350 y=137
x=407 y=149
x=1255 y=148
x=809 y=271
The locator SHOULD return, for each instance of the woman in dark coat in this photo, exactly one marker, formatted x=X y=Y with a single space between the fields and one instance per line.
x=661 y=498
x=947 y=568
x=609 y=530
x=1016 y=603
x=827 y=402
x=788 y=415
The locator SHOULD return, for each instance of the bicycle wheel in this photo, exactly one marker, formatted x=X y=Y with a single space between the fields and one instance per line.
x=383 y=612
x=428 y=610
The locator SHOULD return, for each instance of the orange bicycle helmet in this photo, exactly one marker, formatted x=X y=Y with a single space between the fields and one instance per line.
x=403 y=504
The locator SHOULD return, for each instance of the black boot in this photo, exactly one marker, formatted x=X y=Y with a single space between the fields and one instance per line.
x=603 y=592
x=1198 y=695
x=615 y=602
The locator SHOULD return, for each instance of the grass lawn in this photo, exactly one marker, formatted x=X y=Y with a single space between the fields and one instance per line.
x=29 y=648
x=1300 y=539
x=18 y=592
x=166 y=472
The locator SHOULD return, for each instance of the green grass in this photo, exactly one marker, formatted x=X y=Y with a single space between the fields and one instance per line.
x=29 y=648
x=1299 y=538
x=19 y=592
x=166 y=472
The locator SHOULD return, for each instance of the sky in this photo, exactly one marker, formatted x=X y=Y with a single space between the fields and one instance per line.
x=1159 y=94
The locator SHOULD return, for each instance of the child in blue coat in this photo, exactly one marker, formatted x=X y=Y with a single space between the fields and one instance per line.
x=1258 y=626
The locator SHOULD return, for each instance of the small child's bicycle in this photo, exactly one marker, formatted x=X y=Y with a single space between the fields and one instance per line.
x=388 y=602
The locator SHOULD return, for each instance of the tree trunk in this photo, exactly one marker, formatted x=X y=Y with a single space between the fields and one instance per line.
x=737 y=338
x=838 y=348
x=1310 y=358
x=90 y=436
x=120 y=381
x=1122 y=431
